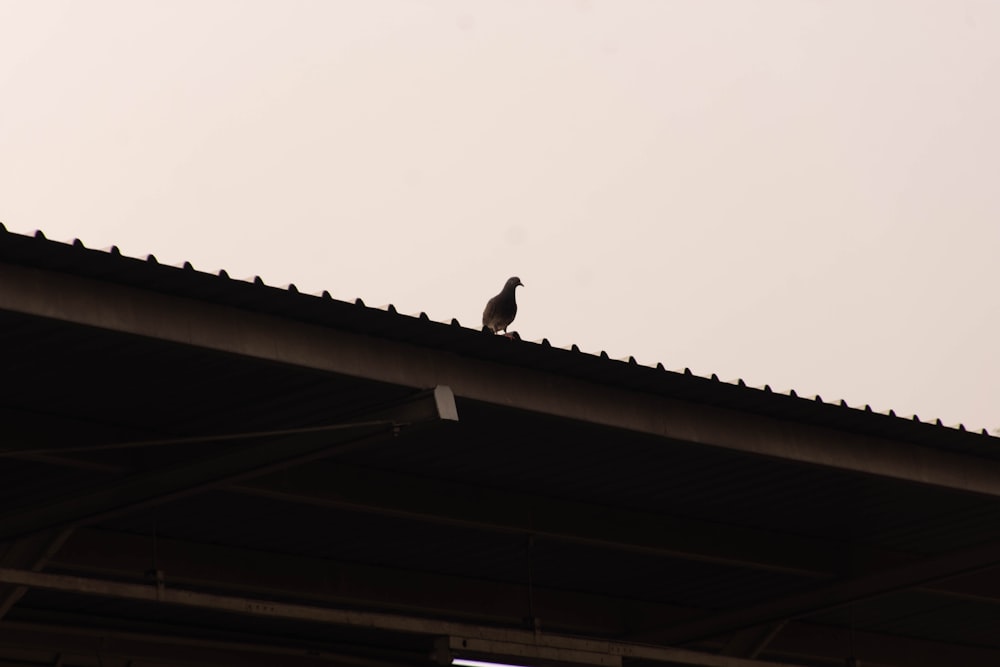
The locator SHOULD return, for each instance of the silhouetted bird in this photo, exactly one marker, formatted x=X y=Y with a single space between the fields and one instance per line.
x=501 y=309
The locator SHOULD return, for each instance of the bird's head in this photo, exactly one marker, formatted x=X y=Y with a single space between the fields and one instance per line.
x=513 y=282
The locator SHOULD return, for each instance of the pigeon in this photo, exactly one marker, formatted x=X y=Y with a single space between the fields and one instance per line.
x=501 y=309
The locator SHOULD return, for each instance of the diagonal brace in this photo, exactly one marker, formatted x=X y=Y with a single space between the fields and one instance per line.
x=833 y=594
x=258 y=457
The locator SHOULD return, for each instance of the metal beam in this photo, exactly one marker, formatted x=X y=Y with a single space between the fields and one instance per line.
x=361 y=489
x=809 y=643
x=554 y=652
x=344 y=486
x=530 y=645
x=750 y=642
x=801 y=643
x=146 y=313
x=922 y=572
x=506 y=652
x=145 y=489
x=406 y=496
x=96 y=646
x=367 y=490
x=241 y=571
x=122 y=556
x=31 y=552
x=565 y=650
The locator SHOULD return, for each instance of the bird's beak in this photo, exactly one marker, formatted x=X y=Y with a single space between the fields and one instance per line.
x=520 y=283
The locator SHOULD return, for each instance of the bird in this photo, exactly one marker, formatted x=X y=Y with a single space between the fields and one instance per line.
x=501 y=309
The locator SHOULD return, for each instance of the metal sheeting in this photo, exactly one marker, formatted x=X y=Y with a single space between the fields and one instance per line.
x=149 y=274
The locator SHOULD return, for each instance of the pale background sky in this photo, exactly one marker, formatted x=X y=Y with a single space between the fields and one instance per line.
x=799 y=193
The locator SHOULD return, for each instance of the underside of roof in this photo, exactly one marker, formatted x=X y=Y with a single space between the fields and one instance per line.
x=203 y=471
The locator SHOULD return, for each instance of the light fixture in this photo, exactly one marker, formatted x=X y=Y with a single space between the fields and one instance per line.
x=461 y=662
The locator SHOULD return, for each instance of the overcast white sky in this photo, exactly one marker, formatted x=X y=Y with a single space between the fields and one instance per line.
x=800 y=193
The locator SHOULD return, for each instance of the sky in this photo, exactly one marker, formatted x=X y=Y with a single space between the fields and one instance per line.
x=800 y=193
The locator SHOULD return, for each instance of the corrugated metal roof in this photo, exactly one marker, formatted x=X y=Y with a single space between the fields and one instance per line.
x=322 y=309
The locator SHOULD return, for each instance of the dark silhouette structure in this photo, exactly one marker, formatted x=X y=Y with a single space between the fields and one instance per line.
x=204 y=471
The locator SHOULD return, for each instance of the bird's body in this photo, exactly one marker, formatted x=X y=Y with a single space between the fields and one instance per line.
x=501 y=309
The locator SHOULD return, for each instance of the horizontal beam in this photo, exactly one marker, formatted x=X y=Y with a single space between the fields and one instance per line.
x=242 y=571
x=147 y=313
x=32 y=553
x=354 y=488
x=565 y=650
x=122 y=556
x=529 y=644
x=250 y=459
x=360 y=489
x=505 y=652
x=81 y=645
x=99 y=646
x=809 y=643
x=923 y=572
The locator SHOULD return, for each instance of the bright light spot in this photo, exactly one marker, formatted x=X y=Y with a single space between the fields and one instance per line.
x=480 y=663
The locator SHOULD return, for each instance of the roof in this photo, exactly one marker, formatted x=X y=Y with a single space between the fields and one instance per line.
x=204 y=470
x=324 y=310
